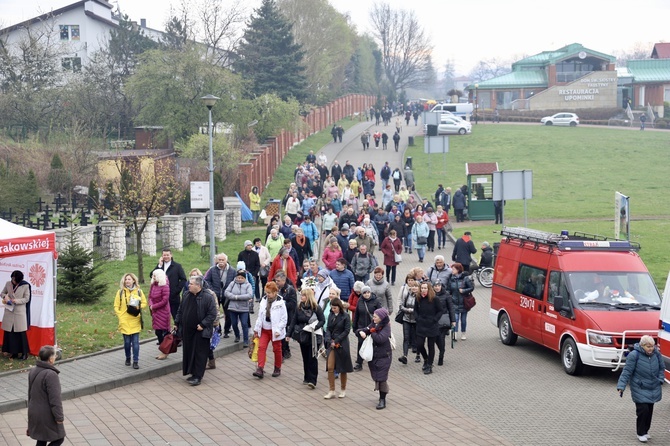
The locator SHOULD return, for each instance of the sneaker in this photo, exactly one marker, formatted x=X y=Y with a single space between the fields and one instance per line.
x=312 y=386
x=648 y=436
x=463 y=338
x=304 y=383
x=128 y=362
x=237 y=340
x=417 y=359
x=403 y=359
x=342 y=394
x=642 y=438
x=136 y=365
x=358 y=368
x=226 y=336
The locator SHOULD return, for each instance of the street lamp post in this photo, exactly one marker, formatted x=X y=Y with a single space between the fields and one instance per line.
x=476 y=104
x=209 y=102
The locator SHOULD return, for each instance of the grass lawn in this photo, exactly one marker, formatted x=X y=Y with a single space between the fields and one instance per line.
x=575 y=174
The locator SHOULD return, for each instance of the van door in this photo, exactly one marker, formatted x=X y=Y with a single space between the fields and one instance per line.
x=530 y=288
x=553 y=324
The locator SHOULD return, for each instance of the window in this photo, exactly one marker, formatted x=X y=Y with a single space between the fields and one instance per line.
x=557 y=287
x=69 y=32
x=72 y=64
x=530 y=281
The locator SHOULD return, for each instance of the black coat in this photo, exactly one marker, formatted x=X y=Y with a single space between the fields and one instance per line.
x=339 y=327
x=463 y=252
x=213 y=280
x=177 y=278
x=45 y=406
x=299 y=319
x=399 y=227
x=290 y=299
x=456 y=282
x=447 y=304
x=364 y=311
x=251 y=261
x=427 y=316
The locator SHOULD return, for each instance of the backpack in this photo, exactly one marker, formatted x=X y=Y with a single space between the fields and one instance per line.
x=396 y=175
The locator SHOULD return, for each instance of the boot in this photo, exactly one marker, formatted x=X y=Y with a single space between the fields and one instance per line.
x=276 y=372
x=258 y=373
x=428 y=370
x=425 y=366
x=211 y=364
x=382 y=401
x=440 y=360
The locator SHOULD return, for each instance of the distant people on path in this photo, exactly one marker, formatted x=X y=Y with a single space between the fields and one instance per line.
x=396 y=141
x=409 y=178
x=385 y=140
x=415 y=115
x=255 y=204
x=397 y=178
x=644 y=371
x=420 y=234
x=128 y=304
x=333 y=132
x=16 y=320
x=643 y=120
x=340 y=132
x=377 y=136
x=365 y=140
x=398 y=125
x=45 y=405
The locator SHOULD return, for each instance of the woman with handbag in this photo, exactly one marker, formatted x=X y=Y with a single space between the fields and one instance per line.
x=420 y=233
x=307 y=312
x=407 y=298
x=380 y=331
x=159 y=305
x=447 y=318
x=460 y=286
x=392 y=249
x=428 y=310
x=128 y=304
x=362 y=317
x=338 y=354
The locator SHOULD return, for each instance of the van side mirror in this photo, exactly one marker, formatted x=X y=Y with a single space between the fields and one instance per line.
x=561 y=308
x=558 y=303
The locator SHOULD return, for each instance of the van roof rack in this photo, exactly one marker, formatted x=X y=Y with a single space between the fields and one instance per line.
x=575 y=241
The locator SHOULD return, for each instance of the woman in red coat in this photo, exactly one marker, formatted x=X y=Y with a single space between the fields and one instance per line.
x=159 y=303
x=284 y=262
x=391 y=246
x=331 y=253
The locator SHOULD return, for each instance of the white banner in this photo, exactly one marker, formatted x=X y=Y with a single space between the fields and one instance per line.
x=38 y=270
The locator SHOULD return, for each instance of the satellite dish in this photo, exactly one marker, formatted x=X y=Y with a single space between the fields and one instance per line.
x=582 y=54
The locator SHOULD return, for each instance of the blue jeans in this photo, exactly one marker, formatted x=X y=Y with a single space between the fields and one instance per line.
x=441 y=237
x=463 y=316
x=242 y=317
x=421 y=250
x=133 y=339
x=384 y=183
x=408 y=242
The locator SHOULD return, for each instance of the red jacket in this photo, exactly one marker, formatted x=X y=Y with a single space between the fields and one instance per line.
x=329 y=257
x=388 y=247
x=291 y=271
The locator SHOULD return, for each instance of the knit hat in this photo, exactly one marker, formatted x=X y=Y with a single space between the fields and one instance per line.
x=241 y=265
x=248 y=243
x=344 y=227
x=365 y=289
x=382 y=313
x=358 y=286
x=323 y=273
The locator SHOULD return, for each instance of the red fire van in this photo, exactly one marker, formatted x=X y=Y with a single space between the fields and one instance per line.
x=582 y=295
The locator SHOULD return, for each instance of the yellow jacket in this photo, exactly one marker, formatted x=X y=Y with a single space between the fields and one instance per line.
x=254 y=201
x=128 y=324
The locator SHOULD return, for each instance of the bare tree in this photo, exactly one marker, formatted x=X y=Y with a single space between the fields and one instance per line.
x=405 y=47
x=639 y=50
x=221 y=28
x=490 y=68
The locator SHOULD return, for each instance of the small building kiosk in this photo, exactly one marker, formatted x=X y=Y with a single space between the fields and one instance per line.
x=480 y=190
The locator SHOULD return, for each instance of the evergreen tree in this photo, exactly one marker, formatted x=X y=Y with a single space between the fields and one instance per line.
x=269 y=56
x=59 y=179
x=78 y=274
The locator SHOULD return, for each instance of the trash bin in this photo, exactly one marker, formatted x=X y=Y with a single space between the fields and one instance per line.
x=408 y=163
x=411 y=141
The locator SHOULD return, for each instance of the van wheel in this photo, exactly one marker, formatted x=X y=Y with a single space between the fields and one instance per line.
x=572 y=363
x=507 y=336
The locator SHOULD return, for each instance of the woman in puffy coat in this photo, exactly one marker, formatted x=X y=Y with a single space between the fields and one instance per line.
x=460 y=285
x=159 y=303
x=338 y=354
x=644 y=372
x=420 y=232
x=380 y=331
x=447 y=312
x=239 y=293
x=331 y=253
x=391 y=246
x=130 y=325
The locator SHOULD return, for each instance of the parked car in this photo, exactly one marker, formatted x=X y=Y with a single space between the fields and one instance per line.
x=570 y=119
x=452 y=125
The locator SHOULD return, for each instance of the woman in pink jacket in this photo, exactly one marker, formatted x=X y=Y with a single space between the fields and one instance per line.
x=431 y=220
x=159 y=304
x=331 y=254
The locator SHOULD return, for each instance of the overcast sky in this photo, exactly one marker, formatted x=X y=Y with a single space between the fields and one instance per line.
x=465 y=31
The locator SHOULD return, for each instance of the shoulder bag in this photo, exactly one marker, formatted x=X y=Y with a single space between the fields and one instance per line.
x=469 y=302
x=397 y=258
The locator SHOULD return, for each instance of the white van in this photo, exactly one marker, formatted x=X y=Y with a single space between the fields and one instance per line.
x=463 y=110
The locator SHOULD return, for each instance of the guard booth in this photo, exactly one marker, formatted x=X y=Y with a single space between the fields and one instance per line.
x=480 y=190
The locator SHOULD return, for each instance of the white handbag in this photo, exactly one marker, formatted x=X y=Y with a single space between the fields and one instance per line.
x=396 y=256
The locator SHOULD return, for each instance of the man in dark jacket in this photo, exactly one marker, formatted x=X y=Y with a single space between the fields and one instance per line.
x=486 y=260
x=463 y=250
x=250 y=258
x=348 y=218
x=385 y=174
x=288 y=292
x=459 y=205
x=177 y=277
x=349 y=171
x=218 y=277
x=336 y=171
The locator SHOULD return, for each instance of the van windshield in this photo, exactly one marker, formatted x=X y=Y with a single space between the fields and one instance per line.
x=614 y=288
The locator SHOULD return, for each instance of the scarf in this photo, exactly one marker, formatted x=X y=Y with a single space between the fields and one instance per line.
x=268 y=307
x=300 y=240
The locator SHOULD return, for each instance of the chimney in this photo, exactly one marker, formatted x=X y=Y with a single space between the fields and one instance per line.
x=143 y=23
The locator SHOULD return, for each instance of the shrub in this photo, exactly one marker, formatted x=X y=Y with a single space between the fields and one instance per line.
x=661 y=124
